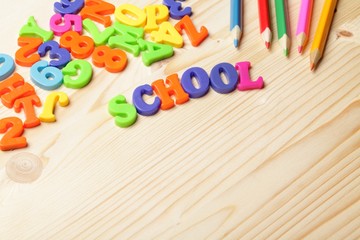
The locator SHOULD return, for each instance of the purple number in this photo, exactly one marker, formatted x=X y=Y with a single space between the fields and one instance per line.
x=60 y=56
x=68 y=6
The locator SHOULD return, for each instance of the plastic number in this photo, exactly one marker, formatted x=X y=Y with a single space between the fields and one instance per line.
x=12 y=139
x=62 y=55
x=27 y=55
x=114 y=60
x=46 y=77
x=69 y=20
x=80 y=46
x=7 y=66
x=72 y=69
x=68 y=6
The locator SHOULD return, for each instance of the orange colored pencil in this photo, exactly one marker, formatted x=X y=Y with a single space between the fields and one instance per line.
x=322 y=32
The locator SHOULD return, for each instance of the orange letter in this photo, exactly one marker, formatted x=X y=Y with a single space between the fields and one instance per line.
x=13 y=88
x=27 y=103
x=195 y=37
x=165 y=93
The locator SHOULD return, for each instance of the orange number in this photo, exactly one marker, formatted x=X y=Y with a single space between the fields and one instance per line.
x=114 y=60
x=80 y=46
x=12 y=139
x=27 y=55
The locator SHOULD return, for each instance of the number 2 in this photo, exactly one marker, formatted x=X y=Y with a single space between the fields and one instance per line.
x=27 y=55
x=12 y=139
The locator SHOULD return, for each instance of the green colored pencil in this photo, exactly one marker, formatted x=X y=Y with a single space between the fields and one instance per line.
x=282 y=21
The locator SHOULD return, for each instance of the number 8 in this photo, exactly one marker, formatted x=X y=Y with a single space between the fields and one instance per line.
x=114 y=60
x=80 y=46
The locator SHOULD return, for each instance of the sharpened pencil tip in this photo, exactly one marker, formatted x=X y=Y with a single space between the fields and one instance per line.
x=286 y=52
x=312 y=66
x=236 y=43
x=267 y=44
x=300 y=49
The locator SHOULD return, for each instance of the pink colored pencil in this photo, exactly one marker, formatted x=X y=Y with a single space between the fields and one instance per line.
x=303 y=27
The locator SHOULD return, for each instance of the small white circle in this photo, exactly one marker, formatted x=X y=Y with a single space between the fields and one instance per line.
x=24 y=168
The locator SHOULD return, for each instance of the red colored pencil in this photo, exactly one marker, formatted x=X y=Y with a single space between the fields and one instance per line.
x=264 y=19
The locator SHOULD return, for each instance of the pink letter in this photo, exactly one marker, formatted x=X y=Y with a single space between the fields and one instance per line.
x=245 y=82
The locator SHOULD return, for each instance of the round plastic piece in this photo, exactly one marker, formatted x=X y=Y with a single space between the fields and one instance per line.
x=24 y=168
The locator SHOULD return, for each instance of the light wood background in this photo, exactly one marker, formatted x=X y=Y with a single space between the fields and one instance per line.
x=278 y=163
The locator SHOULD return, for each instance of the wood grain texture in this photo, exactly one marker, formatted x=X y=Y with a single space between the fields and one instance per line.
x=278 y=163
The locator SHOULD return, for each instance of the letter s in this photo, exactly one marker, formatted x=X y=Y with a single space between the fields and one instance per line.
x=125 y=114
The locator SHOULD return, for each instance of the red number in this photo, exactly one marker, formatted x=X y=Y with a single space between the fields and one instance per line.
x=12 y=139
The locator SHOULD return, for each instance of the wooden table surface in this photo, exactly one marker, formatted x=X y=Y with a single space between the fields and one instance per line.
x=277 y=163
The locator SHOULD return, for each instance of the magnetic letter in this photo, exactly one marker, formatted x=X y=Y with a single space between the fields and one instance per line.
x=142 y=107
x=165 y=92
x=245 y=82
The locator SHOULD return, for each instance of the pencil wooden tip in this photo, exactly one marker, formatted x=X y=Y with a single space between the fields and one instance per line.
x=286 y=52
x=266 y=36
x=236 y=35
x=300 y=49
x=315 y=56
x=236 y=43
x=285 y=44
x=267 y=44
x=302 y=40
x=312 y=66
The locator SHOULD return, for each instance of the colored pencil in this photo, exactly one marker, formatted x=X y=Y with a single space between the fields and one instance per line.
x=322 y=32
x=282 y=21
x=236 y=20
x=264 y=20
x=303 y=27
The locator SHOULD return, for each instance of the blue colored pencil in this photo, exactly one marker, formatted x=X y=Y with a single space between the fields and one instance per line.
x=236 y=20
